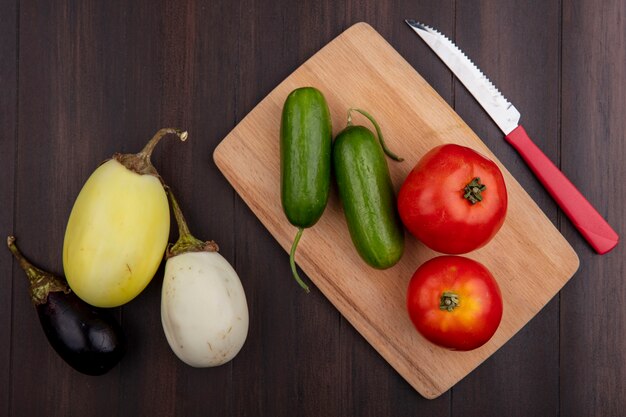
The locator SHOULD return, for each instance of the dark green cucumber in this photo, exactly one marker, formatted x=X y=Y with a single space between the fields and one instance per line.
x=367 y=195
x=305 y=161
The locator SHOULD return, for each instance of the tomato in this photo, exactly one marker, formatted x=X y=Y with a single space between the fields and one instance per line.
x=454 y=302
x=454 y=200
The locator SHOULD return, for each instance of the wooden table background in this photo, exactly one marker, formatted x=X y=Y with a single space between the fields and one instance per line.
x=80 y=80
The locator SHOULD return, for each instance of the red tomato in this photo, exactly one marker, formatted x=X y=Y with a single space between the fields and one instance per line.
x=454 y=302
x=454 y=200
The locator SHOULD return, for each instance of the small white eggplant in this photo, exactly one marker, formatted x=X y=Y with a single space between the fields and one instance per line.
x=203 y=304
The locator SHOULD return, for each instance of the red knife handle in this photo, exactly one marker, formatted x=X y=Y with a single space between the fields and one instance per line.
x=585 y=218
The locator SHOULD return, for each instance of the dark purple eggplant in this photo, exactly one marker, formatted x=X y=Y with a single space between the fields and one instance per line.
x=89 y=339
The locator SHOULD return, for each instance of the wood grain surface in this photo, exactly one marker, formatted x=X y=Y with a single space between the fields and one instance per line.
x=360 y=69
x=82 y=80
x=8 y=127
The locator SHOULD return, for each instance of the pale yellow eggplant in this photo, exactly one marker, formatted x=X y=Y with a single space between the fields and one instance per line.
x=118 y=229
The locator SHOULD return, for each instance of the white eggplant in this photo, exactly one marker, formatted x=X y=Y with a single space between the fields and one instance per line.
x=203 y=304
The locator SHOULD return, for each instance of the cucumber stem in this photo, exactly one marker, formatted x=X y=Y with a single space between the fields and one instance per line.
x=292 y=260
x=186 y=241
x=388 y=152
x=41 y=282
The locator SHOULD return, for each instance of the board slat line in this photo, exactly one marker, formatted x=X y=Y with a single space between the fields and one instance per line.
x=359 y=68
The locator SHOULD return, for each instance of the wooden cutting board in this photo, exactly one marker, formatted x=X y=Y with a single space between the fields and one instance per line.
x=529 y=257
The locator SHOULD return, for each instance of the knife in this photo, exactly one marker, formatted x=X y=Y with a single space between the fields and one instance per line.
x=583 y=215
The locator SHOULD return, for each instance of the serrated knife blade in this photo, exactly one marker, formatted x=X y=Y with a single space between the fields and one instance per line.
x=583 y=215
x=501 y=111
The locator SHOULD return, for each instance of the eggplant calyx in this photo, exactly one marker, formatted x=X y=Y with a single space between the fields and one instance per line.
x=186 y=241
x=42 y=283
x=140 y=162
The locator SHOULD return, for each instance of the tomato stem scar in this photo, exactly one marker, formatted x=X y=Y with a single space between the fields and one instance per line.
x=449 y=301
x=473 y=190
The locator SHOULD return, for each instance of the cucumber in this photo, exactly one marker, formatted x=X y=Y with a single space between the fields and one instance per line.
x=305 y=161
x=367 y=195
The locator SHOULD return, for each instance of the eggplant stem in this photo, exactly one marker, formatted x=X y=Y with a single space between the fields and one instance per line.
x=140 y=162
x=149 y=148
x=379 y=132
x=292 y=260
x=183 y=229
x=41 y=282
x=186 y=241
x=31 y=270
